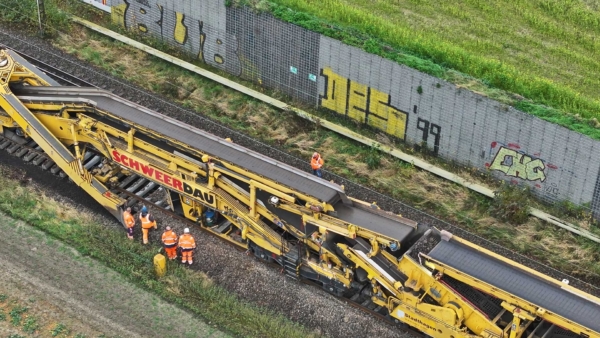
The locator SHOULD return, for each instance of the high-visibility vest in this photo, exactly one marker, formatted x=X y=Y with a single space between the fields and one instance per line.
x=146 y=222
x=186 y=241
x=316 y=163
x=169 y=238
x=128 y=219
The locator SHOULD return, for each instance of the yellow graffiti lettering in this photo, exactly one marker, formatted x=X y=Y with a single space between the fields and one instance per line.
x=202 y=40
x=385 y=117
x=357 y=101
x=535 y=169
x=500 y=158
x=362 y=103
x=518 y=168
x=117 y=14
x=180 y=32
x=336 y=92
x=518 y=165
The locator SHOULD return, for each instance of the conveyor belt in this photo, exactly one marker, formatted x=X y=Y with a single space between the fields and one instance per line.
x=39 y=127
x=226 y=151
x=373 y=221
x=519 y=283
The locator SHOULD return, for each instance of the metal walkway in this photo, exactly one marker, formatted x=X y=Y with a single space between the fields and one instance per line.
x=519 y=283
x=226 y=151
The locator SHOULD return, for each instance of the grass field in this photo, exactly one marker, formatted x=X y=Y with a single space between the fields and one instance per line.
x=544 y=50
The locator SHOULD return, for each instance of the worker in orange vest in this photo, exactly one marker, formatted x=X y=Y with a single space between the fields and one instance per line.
x=147 y=222
x=169 y=239
x=316 y=163
x=187 y=245
x=129 y=222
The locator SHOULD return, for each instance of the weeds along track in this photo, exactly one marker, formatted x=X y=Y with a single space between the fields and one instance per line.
x=41 y=50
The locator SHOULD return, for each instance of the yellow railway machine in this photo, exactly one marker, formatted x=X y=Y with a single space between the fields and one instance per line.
x=433 y=281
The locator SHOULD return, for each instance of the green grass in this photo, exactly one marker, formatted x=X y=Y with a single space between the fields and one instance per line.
x=30 y=325
x=16 y=314
x=547 y=54
x=25 y=12
x=185 y=287
x=60 y=328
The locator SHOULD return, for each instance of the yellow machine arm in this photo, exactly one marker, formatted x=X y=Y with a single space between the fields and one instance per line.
x=437 y=283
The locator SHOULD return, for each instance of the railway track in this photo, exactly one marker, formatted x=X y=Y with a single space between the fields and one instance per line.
x=60 y=76
x=137 y=190
x=133 y=189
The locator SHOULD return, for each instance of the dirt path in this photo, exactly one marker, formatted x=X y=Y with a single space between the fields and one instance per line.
x=57 y=284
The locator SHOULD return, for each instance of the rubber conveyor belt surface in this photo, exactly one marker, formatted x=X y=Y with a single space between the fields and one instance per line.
x=519 y=283
x=373 y=221
x=201 y=140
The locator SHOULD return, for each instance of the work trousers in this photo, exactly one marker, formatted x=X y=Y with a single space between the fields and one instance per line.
x=171 y=251
x=317 y=172
x=186 y=256
x=145 y=235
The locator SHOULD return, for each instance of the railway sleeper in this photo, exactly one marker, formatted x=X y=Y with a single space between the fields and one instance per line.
x=135 y=186
x=30 y=156
x=128 y=181
x=13 y=148
x=21 y=151
x=55 y=169
x=40 y=159
x=4 y=144
x=48 y=164
x=147 y=189
x=94 y=161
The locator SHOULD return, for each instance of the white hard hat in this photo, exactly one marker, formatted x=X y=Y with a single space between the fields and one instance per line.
x=186 y=231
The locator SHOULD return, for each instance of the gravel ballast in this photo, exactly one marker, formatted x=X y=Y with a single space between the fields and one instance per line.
x=249 y=279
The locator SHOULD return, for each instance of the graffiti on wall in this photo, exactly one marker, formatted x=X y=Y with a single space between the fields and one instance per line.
x=429 y=129
x=515 y=163
x=362 y=103
x=207 y=43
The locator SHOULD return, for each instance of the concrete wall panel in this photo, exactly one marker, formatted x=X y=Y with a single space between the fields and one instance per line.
x=454 y=123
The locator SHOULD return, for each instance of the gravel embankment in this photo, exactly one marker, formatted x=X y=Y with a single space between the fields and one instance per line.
x=241 y=274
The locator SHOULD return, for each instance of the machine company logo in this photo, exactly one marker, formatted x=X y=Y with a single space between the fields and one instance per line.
x=424 y=324
x=162 y=177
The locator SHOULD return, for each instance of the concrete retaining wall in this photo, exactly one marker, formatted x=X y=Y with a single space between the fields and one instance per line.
x=453 y=123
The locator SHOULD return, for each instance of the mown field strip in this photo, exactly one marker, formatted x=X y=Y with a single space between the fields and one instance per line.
x=548 y=52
